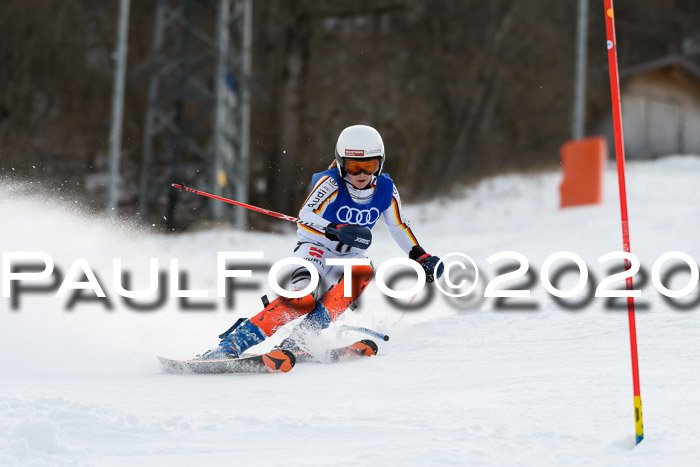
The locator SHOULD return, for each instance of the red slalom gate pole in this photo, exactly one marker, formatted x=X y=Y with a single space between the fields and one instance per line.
x=620 y=157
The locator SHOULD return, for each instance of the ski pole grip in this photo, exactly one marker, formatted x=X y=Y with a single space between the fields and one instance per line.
x=352 y=235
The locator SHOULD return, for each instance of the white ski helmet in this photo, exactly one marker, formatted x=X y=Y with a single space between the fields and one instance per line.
x=359 y=142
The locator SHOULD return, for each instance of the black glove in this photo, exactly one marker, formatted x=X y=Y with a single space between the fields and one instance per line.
x=428 y=262
x=349 y=234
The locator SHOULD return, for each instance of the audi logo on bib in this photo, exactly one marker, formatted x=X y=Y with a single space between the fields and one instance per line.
x=348 y=215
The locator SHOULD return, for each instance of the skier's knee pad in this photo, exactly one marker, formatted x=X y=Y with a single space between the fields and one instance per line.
x=282 y=310
x=335 y=300
x=362 y=275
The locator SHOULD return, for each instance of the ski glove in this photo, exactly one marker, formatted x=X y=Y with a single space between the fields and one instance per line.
x=428 y=262
x=349 y=234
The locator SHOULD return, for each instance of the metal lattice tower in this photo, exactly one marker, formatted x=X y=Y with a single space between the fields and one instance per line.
x=198 y=119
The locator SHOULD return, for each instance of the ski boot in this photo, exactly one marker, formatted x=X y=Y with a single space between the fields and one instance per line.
x=236 y=340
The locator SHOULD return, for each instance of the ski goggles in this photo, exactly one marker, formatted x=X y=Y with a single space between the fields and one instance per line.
x=357 y=166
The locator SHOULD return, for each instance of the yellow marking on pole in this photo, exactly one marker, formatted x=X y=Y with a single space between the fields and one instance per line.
x=639 y=424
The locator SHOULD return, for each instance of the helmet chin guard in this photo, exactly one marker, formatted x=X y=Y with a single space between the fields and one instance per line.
x=359 y=142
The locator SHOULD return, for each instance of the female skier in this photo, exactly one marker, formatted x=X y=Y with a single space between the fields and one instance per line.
x=352 y=192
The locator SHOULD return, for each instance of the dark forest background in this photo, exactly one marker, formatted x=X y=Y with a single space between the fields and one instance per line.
x=459 y=89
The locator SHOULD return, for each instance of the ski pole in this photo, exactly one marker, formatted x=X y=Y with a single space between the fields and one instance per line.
x=376 y=334
x=355 y=236
x=408 y=305
x=278 y=215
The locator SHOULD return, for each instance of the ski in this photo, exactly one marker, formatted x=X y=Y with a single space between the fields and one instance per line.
x=272 y=362
x=363 y=348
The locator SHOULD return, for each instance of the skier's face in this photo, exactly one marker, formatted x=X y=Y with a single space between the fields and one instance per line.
x=360 y=170
x=360 y=180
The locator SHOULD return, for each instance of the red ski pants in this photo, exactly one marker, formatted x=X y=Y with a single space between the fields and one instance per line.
x=283 y=310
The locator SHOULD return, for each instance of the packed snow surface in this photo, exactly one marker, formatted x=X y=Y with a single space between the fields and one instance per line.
x=460 y=382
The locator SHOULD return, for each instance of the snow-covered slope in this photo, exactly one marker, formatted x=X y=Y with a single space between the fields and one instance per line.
x=455 y=385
